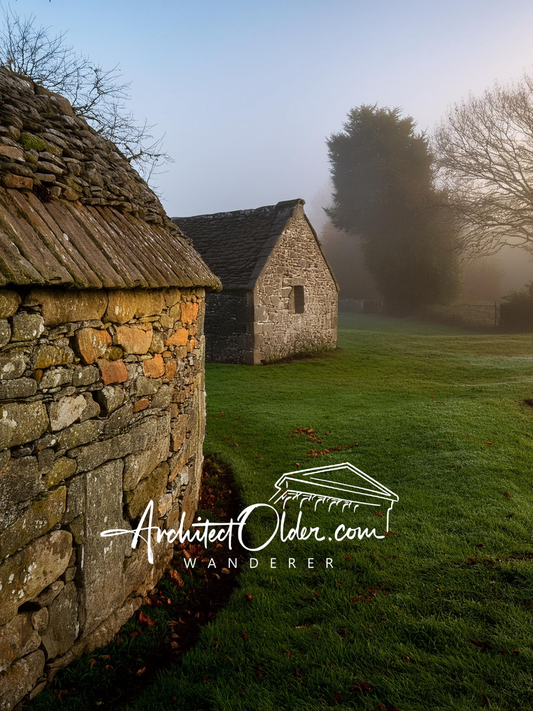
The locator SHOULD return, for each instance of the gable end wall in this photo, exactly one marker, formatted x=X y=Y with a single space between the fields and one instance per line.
x=296 y=260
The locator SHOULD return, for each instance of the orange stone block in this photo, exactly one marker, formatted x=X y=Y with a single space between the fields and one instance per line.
x=191 y=345
x=141 y=405
x=178 y=338
x=92 y=344
x=170 y=369
x=134 y=340
x=112 y=371
x=189 y=312
x=154 y=367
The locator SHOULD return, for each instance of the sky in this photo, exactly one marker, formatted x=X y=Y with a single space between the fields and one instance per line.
x=247 y=91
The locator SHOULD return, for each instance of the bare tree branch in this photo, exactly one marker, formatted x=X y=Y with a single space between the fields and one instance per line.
x=99 y=96
x=484 y=153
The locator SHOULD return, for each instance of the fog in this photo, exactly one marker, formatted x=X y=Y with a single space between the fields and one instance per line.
x=484 y=279
x=247 y=93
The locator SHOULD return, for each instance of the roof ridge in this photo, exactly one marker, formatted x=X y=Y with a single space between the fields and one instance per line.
x=236 y=244
x=244 y=212
x=73 y=212
x=46 y=147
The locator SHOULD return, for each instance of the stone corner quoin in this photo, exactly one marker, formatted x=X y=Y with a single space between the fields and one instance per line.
x=101 y=411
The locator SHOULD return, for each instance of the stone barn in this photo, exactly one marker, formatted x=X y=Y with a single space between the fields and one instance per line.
x=101 y=384
x=279 y=294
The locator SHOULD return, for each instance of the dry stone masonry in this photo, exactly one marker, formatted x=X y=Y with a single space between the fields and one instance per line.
x=98 y=416
x=44 y=148
x=102 y=304
x=295 y=269
x=279 y=296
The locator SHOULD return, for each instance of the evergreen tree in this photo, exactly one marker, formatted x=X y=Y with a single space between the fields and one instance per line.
x=383 y=191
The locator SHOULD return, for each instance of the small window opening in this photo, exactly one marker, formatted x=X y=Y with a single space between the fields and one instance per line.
x=299 y=299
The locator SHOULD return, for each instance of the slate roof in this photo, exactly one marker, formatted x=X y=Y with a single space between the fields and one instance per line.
x=73 y=212
x=236 y=245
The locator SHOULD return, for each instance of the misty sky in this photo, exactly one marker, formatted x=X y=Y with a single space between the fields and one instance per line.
x=246 y=91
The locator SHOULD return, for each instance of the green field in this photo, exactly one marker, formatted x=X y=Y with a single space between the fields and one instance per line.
x=427 y=618
x=438 y=614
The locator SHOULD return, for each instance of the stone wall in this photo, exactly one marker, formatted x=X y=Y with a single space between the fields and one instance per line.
x=295 y=261
x=102 y=410
x=229 y=327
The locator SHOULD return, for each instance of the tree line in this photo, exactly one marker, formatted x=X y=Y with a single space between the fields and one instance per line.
x=420 y=206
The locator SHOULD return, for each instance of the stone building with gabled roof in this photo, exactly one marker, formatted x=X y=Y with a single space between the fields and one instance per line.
x=279 y=294
x=101 y=384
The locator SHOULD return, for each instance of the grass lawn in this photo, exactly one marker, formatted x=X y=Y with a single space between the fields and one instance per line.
x=437 y=615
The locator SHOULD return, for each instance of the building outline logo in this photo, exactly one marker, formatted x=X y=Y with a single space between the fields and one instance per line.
x=331 y=485
x=318 y=485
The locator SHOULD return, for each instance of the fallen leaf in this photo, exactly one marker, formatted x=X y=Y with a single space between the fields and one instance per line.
x=362 y=687
x=176 y=577
x=147 y=620
x=477 y=643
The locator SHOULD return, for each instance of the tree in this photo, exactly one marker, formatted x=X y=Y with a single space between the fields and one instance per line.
x=98 y=95
x=383 y=191
x=484 y=154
